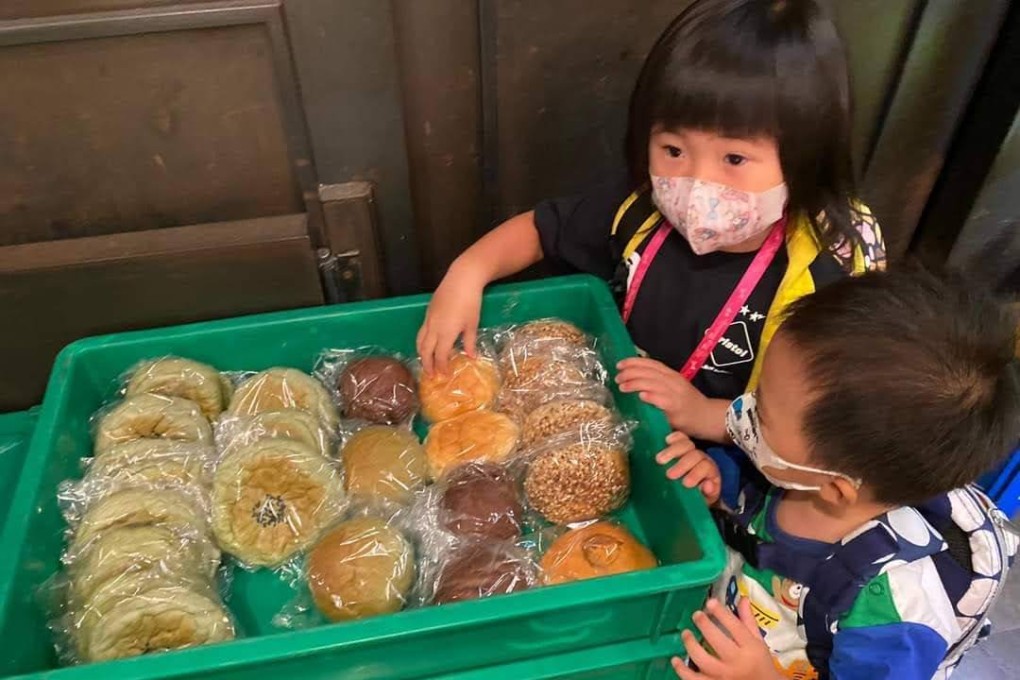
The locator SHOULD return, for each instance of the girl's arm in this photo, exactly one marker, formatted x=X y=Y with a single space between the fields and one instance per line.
x=456 y=307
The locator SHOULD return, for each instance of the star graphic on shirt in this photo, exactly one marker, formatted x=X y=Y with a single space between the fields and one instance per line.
x=756 y=317
x=745 y=310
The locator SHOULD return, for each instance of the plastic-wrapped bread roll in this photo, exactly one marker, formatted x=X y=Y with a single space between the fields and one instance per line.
x=599 y=549
x=172 y=508
x=468 y=385
x=477 y=570
x=545 y=336
x=540 y=379
x=378 y=389
x=153 y=461
x=153 y=550
x=481 y=501
x=574 y=482
x=385 y=463
x=177 y=377
x=150 y=416
x=361 y=568
x=295 y=424
x=484 y=436
x=564 y=416
x=272 y=499
x=278 y=389
x=129 y=617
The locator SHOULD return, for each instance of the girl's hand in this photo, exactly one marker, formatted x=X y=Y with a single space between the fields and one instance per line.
x=694 y=467
x=687 y=409
x=453 y=314
x=738 y=650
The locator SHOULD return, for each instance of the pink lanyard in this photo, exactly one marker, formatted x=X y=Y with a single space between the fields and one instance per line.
x=748 y=282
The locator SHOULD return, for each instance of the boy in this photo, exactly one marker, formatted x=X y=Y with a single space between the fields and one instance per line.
x=861 y=551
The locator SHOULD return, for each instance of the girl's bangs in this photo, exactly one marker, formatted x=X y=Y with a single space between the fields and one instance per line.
x=704 y=96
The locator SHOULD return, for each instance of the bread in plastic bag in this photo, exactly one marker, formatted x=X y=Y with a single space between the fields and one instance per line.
x=292 y=423
x=371 y=385
x=572 y=479
x=361 y=567
x=184 y=378
x=134 y=616
x=134 y=506
x=582 y=416
x=543 y=336
x=272 y=499
x=148 y=549
x=540 y=379
x=153 y=461
x=592 y=551
x=475 y=570
x=151 y=416
x=481 y=501
x=384 y=462
x=277 y=389
x=484 y=436
x=467 y=385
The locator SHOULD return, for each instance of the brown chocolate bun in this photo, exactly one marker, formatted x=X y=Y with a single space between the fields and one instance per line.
x=468 y=385
x=600 y=549
x=578 y=482
x=378 y=389
x=484 y=436
x=480 y=570
x=482 y=501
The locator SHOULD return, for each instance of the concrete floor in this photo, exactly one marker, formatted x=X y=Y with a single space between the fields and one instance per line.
x=998 y=657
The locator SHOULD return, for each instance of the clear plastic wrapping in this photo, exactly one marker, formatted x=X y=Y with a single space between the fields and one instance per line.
x=139 y=614
x=184 y=378
x=542 y=337
x=383 y=462
x=481 y=501
x=370 y=385
x=585 y=418
x=300 y=426
x=592 y=551
x=278 y=389
x=272 y=499
x=484 y=436
x=474 y=570
x=467 y=385
x=150 y=416
x=362 y=567
x=538 y=379
x=574 y=479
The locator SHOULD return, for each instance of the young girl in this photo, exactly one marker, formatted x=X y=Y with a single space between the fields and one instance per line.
x=740 y=200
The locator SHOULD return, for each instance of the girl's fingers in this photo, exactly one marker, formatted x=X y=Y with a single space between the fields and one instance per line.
x=443 y=349
x=629 y=374
x=719 y=641
x=737 y=628
x=427 y=352
x=641 y=385
x=710 y=490
x=706 y=662
x=470 y=340
x=654 y=399
x=678 y=438
x=683 y=672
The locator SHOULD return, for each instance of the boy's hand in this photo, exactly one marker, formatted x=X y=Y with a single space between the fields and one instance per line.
x=738 y=650
x=694 y=467
x=687 y=409
x=453 y=314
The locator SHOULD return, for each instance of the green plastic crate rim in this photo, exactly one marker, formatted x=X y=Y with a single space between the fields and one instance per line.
x=412 y=644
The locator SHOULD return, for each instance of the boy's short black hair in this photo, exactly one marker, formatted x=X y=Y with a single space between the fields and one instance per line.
x=916 y=385
x=750 y=68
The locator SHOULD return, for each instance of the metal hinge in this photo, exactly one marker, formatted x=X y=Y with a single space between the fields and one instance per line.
x=341 y=275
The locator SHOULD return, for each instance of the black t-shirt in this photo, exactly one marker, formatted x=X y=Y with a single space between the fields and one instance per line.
x=682 y=292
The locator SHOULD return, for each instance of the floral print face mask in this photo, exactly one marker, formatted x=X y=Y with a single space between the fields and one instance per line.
x=715 y=216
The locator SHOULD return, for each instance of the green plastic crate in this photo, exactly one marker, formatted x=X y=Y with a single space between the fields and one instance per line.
x=15 y=433
x=422 y=643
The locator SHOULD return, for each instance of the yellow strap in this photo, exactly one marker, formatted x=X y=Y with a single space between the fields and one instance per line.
x=801 y=250
x=641 y=234
x=623 y=210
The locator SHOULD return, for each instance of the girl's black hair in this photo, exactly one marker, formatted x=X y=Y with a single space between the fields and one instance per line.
x=747 y=68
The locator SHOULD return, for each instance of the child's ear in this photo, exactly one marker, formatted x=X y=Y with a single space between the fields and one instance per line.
x=840 y=492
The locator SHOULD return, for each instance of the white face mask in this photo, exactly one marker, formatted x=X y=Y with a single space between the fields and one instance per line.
x=745 y=430
x=714 y=216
